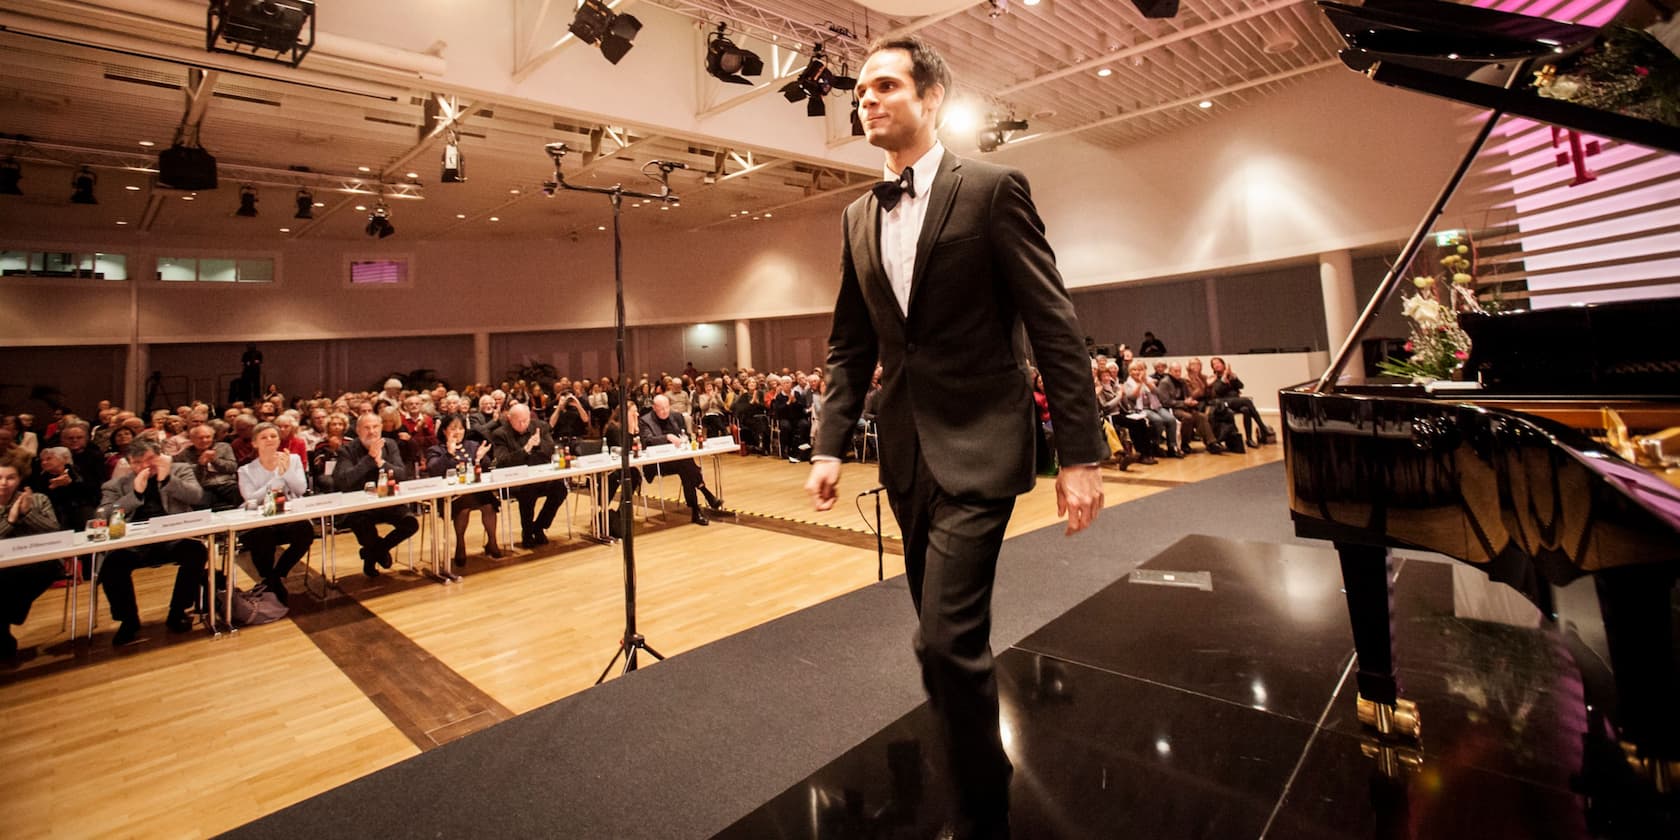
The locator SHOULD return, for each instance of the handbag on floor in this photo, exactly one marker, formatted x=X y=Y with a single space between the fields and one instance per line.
x=257 y=606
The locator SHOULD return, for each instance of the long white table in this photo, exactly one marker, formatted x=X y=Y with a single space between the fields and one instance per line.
x=226 y=525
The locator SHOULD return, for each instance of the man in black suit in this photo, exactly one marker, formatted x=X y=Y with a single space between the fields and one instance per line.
x=943 y=265
x=659 y=426
x=359 y=462
x=518 y=440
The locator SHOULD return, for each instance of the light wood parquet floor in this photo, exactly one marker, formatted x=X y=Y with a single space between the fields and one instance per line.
x=186 y=736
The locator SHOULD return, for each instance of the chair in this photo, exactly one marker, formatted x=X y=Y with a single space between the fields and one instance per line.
x=867 y=431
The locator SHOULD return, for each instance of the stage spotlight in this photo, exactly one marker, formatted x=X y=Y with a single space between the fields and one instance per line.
x=730 y=63
x=10 y=175
x=81 y=187
x=857 y=117
x=998 y=131
x=453 y=173
x=595 y=23
x=379 y=222
x=247 y=202
x=305 y=205
x=1157 y=8
x=275 y=26
x=815 y=82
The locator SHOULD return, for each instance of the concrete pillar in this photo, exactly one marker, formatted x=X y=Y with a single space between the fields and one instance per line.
x=1212 y=293
x=1341 y=308
x=481 y=357
x=743 y=345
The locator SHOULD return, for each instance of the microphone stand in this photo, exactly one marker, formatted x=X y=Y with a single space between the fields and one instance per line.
x=632 y=642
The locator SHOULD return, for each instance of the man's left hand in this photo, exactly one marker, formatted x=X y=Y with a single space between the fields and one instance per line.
x=1079 y=496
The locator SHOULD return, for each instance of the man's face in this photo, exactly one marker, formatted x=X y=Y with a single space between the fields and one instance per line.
x=894 y=116
x=368 y=429
x=10 y=480
x=519 y=417
x=411 y=406
x=202 y=437
x=265 y=411
x=318 y=419
x=486 y=404
x=1175 y=371
x=662 y=407
x=144 y=462
x=75 y=438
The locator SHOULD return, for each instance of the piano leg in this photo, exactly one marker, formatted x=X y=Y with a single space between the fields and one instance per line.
x=1636 y=602
x=1368 y=577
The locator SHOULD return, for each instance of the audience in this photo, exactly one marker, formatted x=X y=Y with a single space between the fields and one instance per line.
x=275 y=471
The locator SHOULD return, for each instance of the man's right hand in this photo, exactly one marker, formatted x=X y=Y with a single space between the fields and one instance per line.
x=823 y=484
x=141 y=479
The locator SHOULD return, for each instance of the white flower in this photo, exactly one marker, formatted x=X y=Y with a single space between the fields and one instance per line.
x=1425 y=311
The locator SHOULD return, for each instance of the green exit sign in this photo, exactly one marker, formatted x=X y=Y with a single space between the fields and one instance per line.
x=1446 y=237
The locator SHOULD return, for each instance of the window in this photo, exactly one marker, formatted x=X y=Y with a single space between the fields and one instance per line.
x=63 y=264
x=215 y=269
x=379 y=272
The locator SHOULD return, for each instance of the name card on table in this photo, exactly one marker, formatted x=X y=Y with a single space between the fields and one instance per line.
x=660 y=449
x=179 y=521
x=309 y=503
x=725 y=442
x=596 y=461
x=436 y=482
x=502 y=473
x=39 y=542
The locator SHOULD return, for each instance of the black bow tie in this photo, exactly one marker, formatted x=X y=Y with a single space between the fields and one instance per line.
x=889 y=192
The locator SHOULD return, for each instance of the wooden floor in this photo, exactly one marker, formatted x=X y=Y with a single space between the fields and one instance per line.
x=185 y=735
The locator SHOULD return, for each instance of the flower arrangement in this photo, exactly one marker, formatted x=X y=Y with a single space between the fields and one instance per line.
x=1438 y=346
x=1627 y=71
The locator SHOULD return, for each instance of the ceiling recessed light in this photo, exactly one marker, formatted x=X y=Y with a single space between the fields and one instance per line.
x=132 y=188
x=1105 y=72
x=1205 y=104
x=460 y=215
x=1029 y=2
x=285 y=230
x=513 y=192
x=147 y=143
x=188 y=197
x=600 y=227
x=364 y=169
x=413 y=174
x=320 y=204
x=122 y=223
x=495 y=218
x=361 y=207
x=767 y=215
x=664 y=206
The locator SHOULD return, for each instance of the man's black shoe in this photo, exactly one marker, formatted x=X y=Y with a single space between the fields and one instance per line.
x=178 y=623
x=127 y=634
x=699 y=518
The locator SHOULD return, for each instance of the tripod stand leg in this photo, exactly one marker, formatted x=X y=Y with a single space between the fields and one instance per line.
x=651 y=652
x=607 y=670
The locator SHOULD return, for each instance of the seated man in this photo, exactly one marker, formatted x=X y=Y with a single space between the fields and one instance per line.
x=73 y=494
x=661 y=425
x=22 y=512
x=792 y=410
x=359 y=462
x=214 y=466
x=240 y=442
x=520 y=440
x=151 y=484
x=1174 y=393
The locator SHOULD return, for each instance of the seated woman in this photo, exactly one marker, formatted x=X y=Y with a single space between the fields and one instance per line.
x=22 y=512
x=1141 y=399
x=451 y=452
x=709 y=405
x=613 y=436
x=1226 y=390
x=121 y=437
x=279 y=471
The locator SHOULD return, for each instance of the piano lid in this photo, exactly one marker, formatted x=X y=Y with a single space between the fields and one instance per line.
x=1470 y=55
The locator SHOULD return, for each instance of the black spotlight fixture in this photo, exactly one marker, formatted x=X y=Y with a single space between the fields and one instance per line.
x=253 y=28
x=453 y=173
x=815 y=82
x=729 y=63
x=184 y=167
x=1157 y=8
x=305 y=205
x=379 y=222
x=998 y=131
x=81 y=187
x=247 y=202
x=10 y=174
x=857 y=116
x=596 y=23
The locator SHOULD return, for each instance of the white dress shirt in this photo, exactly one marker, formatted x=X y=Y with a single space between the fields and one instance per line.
x=902 y=226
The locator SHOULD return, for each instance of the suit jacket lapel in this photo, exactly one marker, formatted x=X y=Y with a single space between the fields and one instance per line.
x=872 y=270
x=945 y=185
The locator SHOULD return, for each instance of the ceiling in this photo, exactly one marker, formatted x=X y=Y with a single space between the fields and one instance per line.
x=79 y=106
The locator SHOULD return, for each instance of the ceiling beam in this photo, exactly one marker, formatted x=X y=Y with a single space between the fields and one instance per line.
x=449 y=119
x=858 y=185
x=1178 y=103
x=527 y=190
x=1152 y=44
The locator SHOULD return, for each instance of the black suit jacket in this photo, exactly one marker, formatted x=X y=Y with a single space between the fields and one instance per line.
x=507 y=447
x=356 y=467
x=954 y=377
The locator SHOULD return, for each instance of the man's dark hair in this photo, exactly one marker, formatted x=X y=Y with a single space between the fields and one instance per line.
x=927 y=66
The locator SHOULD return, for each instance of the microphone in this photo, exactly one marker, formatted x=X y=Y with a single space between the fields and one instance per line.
x=556 y=151
x=669 y=165
x=870 y=492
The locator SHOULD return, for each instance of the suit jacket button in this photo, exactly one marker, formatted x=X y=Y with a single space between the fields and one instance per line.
x=910 y=348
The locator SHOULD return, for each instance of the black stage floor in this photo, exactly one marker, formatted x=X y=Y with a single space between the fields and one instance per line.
x=1207 y=695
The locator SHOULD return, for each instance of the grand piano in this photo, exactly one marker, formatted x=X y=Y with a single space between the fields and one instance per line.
x=1508 y=470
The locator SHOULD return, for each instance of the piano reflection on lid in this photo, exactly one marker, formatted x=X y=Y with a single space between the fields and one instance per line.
x=1505 y=472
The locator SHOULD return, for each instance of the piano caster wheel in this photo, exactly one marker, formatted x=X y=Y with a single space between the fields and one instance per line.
x=1400 y=719
x=1393 y=762
x=1661 y=774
